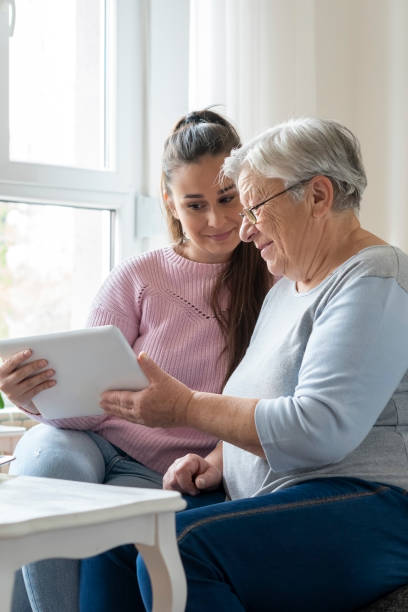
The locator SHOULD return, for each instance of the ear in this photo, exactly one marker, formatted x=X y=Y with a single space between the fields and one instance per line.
x=321 y=190
x=169 y=204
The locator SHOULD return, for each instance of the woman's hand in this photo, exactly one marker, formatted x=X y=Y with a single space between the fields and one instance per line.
x=22 y=381
x=166 y=402
x=192 y=474
x=162 y=404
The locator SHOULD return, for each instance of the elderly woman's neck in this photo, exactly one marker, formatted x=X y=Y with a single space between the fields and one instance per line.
x=339 y=238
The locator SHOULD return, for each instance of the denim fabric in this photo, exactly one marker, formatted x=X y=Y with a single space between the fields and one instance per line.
x=109 y=582
x=123 y=471
x=326 y=544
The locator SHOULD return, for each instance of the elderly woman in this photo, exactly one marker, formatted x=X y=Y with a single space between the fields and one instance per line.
x=314 y=420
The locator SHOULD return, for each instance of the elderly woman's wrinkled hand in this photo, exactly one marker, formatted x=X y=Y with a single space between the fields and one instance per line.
x=192 y=474
x=163 y=403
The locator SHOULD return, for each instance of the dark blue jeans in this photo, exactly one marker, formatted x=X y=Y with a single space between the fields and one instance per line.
x=108 y=581
x=328 y=544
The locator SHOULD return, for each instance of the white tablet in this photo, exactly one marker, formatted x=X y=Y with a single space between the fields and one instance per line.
x=87 y=362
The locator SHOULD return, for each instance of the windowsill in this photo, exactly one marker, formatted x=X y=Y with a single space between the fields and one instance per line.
x=11 y=415
x=9 y=410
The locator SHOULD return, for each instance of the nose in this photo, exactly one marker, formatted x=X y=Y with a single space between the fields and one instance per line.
x=215 y=217
x=247 y=230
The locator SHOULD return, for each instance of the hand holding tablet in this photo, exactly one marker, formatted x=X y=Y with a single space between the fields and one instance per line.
x=86 y=363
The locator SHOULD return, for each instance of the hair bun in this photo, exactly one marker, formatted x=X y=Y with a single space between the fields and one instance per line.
x=196 y=117
x=201 y=116
x=192 y=118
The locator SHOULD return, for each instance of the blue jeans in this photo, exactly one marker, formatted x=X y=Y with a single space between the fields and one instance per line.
x=108 y=580
x=326 y=544
x=71 y=455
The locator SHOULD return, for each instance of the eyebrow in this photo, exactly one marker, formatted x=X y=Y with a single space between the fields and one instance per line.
x=219 y=192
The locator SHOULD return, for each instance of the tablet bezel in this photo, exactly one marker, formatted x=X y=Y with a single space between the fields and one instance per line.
x=87 y=362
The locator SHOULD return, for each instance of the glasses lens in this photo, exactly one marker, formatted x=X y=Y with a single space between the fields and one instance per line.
x=251 y=216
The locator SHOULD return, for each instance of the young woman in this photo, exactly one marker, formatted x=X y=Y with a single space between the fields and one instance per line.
x=192 y=306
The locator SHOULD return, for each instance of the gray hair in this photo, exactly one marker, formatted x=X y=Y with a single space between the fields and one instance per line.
x=300 y=149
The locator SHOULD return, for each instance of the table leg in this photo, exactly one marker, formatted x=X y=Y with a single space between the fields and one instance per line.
x=164 y=566
x=6 y=586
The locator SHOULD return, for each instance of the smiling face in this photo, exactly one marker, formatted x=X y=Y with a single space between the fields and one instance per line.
x=284 y=230
x=207 y=210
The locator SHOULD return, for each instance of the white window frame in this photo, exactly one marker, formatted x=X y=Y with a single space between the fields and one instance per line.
x=113 y=189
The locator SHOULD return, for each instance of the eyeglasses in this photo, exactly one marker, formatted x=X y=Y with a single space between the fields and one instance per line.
x=249 y=212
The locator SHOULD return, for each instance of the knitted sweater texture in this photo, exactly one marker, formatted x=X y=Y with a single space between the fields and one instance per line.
x=161 y=303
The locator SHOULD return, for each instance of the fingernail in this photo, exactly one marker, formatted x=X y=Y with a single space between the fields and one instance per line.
x=200 y=482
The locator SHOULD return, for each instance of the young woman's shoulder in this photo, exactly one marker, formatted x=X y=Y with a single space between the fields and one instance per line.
x=143 y=265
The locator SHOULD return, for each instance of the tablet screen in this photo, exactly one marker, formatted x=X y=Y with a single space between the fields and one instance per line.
x=87 y=362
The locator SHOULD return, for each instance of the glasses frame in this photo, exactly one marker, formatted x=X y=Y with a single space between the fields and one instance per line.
x=249 y=212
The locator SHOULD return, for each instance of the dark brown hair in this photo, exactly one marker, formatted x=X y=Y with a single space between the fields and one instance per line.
x=207 y=133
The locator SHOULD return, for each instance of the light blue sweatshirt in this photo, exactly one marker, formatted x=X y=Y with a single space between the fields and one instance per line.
x=331 y=369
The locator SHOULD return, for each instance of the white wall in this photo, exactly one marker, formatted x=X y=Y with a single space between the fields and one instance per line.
x=362 y=80
x=268 y=60
x=168 y=77
x=166 y=100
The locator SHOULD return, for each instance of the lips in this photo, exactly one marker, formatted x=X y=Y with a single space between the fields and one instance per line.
x=261 y=247
x=220 y=237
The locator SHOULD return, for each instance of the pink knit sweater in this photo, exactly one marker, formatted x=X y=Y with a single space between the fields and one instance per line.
x=161 y=303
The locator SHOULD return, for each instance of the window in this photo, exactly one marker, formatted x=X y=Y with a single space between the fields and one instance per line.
x=58 y=84
x=70 y=115
x=53 y=259
x=72 y=103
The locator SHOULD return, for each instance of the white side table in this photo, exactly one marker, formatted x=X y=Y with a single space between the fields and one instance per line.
x=41 y=518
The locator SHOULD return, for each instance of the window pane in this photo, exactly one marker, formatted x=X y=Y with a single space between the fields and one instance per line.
x=57 y=83
x=52 y=262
